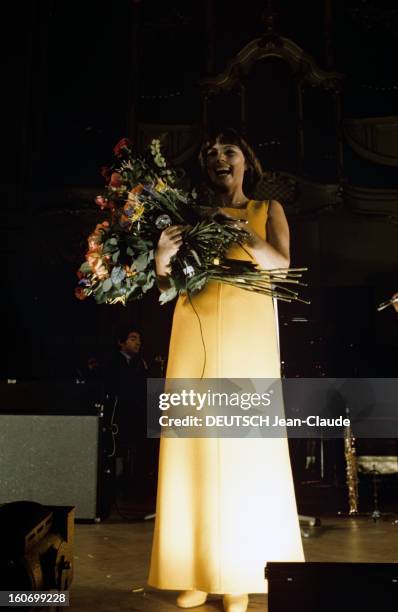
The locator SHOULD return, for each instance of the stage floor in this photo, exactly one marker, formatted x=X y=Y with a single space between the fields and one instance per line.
x=111 y=561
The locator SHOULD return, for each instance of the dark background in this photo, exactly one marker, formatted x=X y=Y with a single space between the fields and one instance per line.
x=81 y=75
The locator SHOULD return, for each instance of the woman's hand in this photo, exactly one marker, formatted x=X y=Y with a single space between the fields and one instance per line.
x=169 y=242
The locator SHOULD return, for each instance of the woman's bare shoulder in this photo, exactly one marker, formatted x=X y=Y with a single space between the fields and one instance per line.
x=275 y=206
x=276 y=210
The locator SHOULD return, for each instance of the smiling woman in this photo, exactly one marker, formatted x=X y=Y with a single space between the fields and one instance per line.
x=220 y=500
x=226 y=148
x=226 y=167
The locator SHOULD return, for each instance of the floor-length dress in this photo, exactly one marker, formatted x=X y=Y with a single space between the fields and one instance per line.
x=225 y=506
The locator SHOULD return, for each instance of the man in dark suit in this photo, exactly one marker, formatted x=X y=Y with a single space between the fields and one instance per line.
x=126 y=374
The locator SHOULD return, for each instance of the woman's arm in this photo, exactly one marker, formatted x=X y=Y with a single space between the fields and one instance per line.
x=275 y=251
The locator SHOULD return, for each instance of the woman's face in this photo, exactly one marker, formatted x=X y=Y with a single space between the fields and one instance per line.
x=226 y=166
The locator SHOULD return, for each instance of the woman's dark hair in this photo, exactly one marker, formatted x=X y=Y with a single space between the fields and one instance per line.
x=230 y=136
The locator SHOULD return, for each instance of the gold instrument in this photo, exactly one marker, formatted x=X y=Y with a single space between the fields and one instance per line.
x=351 y=470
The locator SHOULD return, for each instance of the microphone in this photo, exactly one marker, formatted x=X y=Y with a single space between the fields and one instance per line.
x=390 y=302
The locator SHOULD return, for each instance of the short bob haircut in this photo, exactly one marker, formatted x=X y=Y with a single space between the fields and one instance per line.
x=230 y=136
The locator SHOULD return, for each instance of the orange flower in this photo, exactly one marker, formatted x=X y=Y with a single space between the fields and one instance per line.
x=95 y=241
x=116 y=180
x=100 y=271
x=137 y=189
x=96 y=238
x=96 y=264
x=132 y=199
x=129 y=270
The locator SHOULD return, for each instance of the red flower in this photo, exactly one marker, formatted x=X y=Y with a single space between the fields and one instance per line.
x=101 y=202
x=116 y=180
x=80 y=293
x=121 y=147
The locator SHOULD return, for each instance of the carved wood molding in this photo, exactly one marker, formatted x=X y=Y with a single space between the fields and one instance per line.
x=374 y=138
x=298 y=195
x=302 y=64
x=371 y=201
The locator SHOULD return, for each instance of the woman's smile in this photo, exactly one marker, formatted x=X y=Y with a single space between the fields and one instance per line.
x=225 y=165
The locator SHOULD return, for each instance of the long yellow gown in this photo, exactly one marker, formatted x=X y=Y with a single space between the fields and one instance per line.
x=225 y=507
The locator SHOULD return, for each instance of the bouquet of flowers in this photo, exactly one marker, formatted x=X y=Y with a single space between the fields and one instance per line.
x=141 y=199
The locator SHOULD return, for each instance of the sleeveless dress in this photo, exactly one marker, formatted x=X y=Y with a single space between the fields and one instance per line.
x=224 y=506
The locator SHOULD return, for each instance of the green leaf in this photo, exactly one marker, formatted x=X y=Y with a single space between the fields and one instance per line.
x=112 y=241
x=195 y=256
x=167 y=296
x=198 y=284
x=148 y=285
x=135 y=293
x=117 y=275
x=115 y=256
x=99 y=297
x=85 y=268
x=107 y=284
x=140 y=279
x=141 y=262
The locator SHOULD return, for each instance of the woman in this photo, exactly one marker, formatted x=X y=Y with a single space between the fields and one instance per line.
x=225 y=506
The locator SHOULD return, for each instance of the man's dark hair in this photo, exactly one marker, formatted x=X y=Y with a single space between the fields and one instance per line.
x=124 y=331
